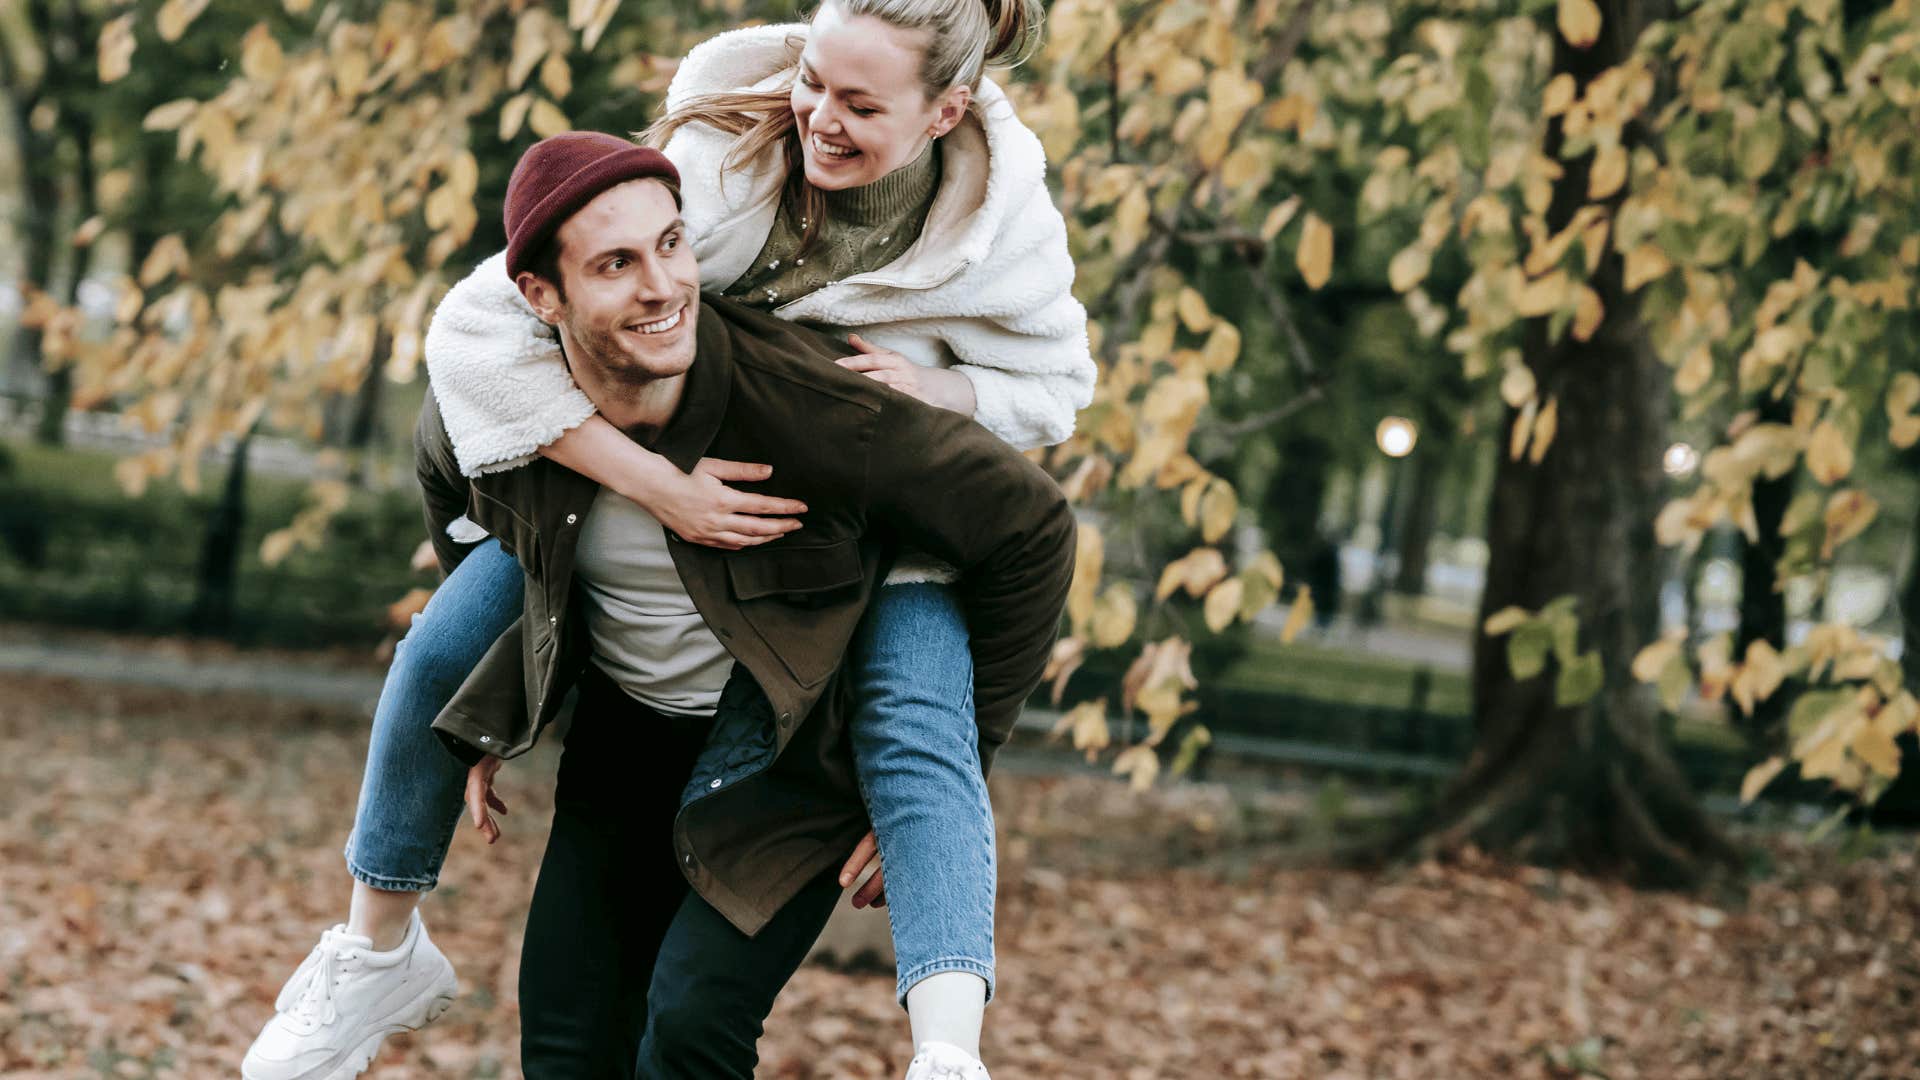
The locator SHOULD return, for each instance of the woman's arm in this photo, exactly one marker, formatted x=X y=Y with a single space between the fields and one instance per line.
x=506 y=396
x=698 y=507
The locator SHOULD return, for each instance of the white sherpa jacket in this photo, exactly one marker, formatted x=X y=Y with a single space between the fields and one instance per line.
x=984 y=290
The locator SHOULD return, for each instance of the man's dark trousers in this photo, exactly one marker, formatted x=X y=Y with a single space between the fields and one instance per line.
x=626 y=971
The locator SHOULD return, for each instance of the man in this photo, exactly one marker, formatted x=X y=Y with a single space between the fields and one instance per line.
x=696 y=841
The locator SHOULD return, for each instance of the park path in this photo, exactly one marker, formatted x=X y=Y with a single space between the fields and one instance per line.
x=170 y=666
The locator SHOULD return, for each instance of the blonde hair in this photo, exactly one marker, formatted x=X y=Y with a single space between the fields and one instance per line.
x=964 y=38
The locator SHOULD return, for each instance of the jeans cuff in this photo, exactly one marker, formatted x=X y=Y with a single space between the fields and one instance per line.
x=909 y=979
x=384 y=883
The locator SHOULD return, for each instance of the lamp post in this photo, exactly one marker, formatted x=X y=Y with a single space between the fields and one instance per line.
x=1396 y=437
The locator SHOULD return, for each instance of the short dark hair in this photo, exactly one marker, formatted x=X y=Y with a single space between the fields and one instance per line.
x=545 y=264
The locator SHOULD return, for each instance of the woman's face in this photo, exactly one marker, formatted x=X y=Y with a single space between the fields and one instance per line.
x=861 y=109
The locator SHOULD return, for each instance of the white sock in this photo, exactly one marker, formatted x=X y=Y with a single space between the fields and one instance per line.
x=948 y=1007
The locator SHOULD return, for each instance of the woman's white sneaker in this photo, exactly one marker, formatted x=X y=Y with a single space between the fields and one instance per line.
x=345 y=999
x=945 y=1061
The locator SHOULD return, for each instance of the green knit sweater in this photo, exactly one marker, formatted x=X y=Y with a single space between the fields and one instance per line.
x=866 y=228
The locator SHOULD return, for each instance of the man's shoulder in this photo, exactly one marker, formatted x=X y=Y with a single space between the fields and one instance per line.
x=767 y=347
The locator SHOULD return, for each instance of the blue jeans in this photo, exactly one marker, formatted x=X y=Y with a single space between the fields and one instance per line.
x=915 y=743
x=414 y=791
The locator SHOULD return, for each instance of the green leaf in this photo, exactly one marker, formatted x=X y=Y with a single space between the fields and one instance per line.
x=1579 y=680
x=1812 y=707
x=1675 y=679
x=1565 y=626
x=1195 y=741
x=1527 y=650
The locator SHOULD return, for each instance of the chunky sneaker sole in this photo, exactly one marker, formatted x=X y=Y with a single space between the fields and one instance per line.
x=321 y=1034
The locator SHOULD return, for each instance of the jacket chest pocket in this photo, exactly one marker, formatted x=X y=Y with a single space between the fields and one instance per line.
x=802 y=600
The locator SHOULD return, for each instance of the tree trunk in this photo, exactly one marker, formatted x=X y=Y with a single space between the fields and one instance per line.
x=1594 y=785
x=1763 y=605
x=216 y=585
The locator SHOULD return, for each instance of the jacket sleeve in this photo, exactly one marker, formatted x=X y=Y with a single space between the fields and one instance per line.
x=946 y=486
x=443 y=490
x=1027 y=355
x=503 y=386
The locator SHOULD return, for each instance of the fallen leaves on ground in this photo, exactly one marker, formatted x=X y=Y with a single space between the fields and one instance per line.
x=166 y=858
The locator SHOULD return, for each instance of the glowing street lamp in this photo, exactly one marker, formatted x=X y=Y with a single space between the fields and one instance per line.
x=1396 y=436
x=1680 y=460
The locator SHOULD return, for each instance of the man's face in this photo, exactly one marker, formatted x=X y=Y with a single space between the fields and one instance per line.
x=632 y=285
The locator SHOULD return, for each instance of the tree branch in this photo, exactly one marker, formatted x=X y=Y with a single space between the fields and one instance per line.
x=1259 y=421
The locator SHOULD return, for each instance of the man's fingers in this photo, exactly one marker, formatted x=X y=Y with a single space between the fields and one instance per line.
x=863 y=853
x=494 y=801
x=873 y=890
x=723 y=469
x=748 y=525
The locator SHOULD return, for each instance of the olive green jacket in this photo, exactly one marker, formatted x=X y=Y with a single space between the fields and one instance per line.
x=773 y=801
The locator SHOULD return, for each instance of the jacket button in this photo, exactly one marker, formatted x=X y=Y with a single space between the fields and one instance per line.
x=786 y=718
x=486 y=738
x=553 y=620
x=689 y=858
x=571 y=518
x=713 y=784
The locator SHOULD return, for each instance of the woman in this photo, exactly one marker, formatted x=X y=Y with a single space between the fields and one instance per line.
x=858 y=172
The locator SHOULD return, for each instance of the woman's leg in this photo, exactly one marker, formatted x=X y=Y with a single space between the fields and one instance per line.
x=917 y=750
x=411 y=795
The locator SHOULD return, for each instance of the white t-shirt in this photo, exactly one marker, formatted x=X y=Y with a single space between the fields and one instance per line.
x=647 y=635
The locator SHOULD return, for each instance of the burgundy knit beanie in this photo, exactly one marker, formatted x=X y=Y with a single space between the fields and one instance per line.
x=561 y=174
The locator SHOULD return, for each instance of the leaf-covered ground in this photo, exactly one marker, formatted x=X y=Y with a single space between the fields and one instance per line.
x=166 y=858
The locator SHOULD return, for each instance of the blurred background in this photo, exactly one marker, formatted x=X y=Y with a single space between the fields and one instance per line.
x=1497 y=615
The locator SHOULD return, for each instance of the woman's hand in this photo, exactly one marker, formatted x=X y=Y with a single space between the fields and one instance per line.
x=936 y=386
x=700 y=508
x=481 y=799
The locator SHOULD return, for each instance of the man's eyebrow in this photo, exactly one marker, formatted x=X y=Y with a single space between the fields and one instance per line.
x=677 y=225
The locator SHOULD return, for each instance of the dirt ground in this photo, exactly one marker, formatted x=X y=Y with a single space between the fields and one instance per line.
x=167 y=857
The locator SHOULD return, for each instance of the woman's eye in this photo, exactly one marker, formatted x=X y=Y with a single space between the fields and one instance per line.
x=858 y=111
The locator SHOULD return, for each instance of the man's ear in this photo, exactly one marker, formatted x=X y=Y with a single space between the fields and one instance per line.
x=953 y=109
x=540 y=295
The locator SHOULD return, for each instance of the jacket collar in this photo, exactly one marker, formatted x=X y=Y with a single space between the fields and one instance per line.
x=703 y=404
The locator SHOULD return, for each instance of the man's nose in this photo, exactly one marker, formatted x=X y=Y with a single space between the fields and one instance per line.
x=653 y=283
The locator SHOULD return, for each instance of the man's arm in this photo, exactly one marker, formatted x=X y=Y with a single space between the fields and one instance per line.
x=443 y=490
x=951 y=489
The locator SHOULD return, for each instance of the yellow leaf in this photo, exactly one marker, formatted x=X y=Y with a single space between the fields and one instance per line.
x=1113 y=618
x=1130 y=221
x=1139 y=764
x=556 y=77
x=175 y=16
x=1542 y=295
x=170 y=116
x=1559 y=94
x=1517 y=386
x=1759 y=777
x=596 y=23
x=1522 y=429
x=1650 y=661
x=1267 y=565
x=116 y=49
x=1588 y=312
x=1194 y=313
x=1877 y=749
x=1218 y=507
x=1278 y=217
x=513 y=114
x=1409 y=267
x=1545 y=426
x=1223 y=604
x=1315 y=254
x=1579 y=22
x=1299 y=613
x=1196 y=572
x=1088 y=723
x=546 y=119
x=1643 y=264
x=1090 y=554
x=1243 y=166
x=1848 y=514
x=1609 y=172
x=260 y=56
x=531 y=41
x=1222 y=348
x=167 y=256
x=1903 y=394
x=277 y=546
x=1695 y=371
x=1829 y=455
x=1505 y=621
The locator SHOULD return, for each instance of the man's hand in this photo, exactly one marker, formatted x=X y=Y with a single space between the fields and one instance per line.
x=874 y=891
x=700 y=508
x=481 y=799
x=949 y=390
